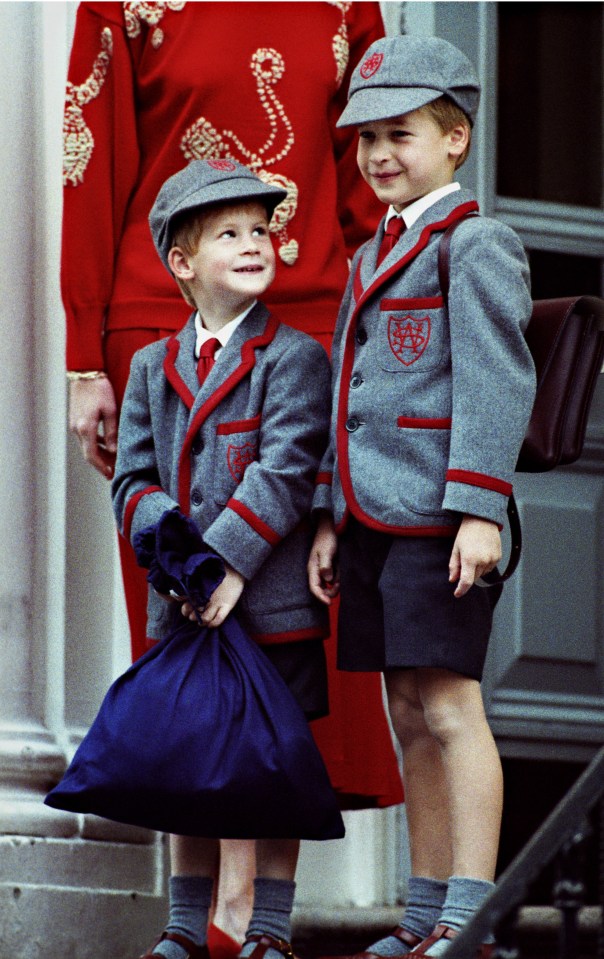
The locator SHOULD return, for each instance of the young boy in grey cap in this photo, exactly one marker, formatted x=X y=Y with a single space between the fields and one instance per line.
x=227 y=420
x=431 y=402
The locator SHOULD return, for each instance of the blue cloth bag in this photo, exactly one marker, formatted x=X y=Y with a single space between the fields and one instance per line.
x=201 y=736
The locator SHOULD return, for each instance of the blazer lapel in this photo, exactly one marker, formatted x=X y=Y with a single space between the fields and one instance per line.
x=234 y=363
x=436 y=218
x=180 y=364
x=180 y=368
x=235 y=359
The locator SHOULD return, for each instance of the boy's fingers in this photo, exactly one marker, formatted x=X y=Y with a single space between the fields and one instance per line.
x=465 y=583
x=454 y=566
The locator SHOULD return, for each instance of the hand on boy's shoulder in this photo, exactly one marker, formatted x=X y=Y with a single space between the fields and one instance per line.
x=476 y=551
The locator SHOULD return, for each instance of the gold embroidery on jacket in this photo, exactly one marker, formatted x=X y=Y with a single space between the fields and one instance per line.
x=340 y=44
x=78 y=142
x=152 y=13
x=202 y=141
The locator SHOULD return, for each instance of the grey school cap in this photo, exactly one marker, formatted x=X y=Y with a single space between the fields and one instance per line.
x=203 y=183
x=403 y=73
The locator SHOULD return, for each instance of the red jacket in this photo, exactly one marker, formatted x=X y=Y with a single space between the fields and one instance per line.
x=154 y=85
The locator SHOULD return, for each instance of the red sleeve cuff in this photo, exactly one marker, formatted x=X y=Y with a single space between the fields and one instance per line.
x=258 y=525
x=479 y=479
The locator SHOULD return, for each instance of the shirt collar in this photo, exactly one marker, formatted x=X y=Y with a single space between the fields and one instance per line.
x=223 y=335
x=413 y=212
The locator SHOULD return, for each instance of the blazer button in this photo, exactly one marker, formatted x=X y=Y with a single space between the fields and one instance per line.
x=352 y=424
x=361 y=336
x=197 y=446
x=196 y=498
x=356 y=381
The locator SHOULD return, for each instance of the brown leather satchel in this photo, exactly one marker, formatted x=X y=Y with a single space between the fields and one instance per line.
x=566 y=340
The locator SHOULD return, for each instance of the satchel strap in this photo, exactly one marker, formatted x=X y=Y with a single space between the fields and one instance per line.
x=444 y=276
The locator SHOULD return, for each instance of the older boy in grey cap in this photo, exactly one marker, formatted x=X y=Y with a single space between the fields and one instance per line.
x=431 y=402
x=227 y=420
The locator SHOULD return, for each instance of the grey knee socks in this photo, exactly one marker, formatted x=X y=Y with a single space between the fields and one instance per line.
x=271 y=915
x=465 y=896
x=425 y=900
x=190 y=901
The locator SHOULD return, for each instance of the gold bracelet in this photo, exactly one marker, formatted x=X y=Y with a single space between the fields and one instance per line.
x=75 y=376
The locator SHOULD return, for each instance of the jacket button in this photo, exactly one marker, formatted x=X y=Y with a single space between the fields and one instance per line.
x=356 y=381
x=196 y=498
x=197 y=446
x=352 y=424
x=361 y=336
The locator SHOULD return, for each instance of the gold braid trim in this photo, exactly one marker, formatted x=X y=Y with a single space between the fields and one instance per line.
x=78 y=142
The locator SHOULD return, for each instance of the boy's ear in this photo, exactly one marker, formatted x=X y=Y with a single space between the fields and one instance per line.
x=459 y=138
x=179 y=264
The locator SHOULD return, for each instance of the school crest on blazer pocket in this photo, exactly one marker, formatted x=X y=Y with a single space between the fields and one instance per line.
x=239 y=458
x=237 y=445
x=411 y=334
x=408 y=337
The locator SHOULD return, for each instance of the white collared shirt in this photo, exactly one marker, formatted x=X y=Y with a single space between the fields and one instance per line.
x=223 y=335
x=413 y=212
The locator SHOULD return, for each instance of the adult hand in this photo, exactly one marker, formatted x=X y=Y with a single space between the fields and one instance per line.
x=92 y=405
x=322 y=576
x=476 y=551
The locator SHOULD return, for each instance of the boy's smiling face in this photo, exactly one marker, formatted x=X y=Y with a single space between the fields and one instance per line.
x=234 y=262
x=407 y=157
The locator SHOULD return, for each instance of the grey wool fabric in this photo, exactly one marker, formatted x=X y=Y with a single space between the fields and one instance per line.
x=203 y=183
x=430 y=404
x=400 y=74
x=239 y=454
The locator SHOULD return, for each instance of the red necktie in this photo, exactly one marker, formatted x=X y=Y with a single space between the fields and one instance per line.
x=206 y=358
x=394 y=228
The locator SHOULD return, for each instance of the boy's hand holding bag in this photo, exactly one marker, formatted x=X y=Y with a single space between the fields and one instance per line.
x=200 y=736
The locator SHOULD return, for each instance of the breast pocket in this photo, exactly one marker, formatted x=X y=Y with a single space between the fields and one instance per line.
x=236 y=448
x=412 y=335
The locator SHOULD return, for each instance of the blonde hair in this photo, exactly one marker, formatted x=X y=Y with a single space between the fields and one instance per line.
x=186 y=234
x=448 y=115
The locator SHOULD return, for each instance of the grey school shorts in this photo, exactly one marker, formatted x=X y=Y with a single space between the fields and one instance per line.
x=303 y=667
x=397 y=609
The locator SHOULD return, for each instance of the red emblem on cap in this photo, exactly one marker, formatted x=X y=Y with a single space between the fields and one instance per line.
x=408 y=337
x=227 y=166
x=239 y=458
x=372 y=65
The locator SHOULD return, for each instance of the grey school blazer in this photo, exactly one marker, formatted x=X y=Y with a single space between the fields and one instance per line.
x=239 y=455
x=430 y=405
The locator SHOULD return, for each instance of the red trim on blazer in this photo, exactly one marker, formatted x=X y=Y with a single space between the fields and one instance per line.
x=248 y=360
x=479 y=479
x=414 y=303
x=173 y=376
x=348 y=361
x=257 y=524
x=324 y=479
x=238 y=426
x=419 y=423
x=294 y=636
x=357 y=283
x=131 y=508
x=458 y=213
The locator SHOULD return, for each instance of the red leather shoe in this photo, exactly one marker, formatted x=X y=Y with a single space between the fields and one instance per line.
x=221 y=945
x=446 y=932
x=193 y=951
x=408 y=938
